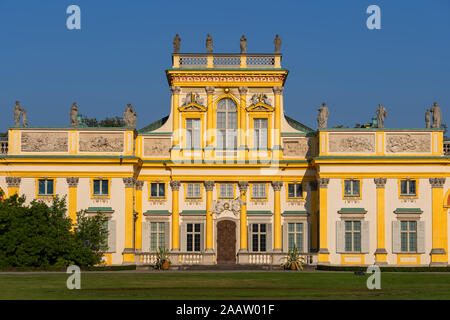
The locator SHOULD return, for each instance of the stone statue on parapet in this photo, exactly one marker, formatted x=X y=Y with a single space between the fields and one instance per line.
x=19 y=111
x=209 y=44
x=277 y=43
x=437 y=115
x=176 y=44
x=129 y=116
x=427 y=119
x=322 y=117
x=381 y=115
x=74 y=115
x=243 y=44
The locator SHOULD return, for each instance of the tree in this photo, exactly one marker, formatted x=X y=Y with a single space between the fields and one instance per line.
x=107 y=122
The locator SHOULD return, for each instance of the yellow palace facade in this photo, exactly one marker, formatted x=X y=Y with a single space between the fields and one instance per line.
x=228 y=178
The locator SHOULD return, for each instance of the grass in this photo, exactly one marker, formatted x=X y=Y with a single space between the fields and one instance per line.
x=219 y=286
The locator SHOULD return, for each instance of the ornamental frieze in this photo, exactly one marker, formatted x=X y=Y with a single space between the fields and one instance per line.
x=228 y=79
x=44 y=142
x=157 y=147
x=101 y=142
x=348 y=143
x=296 y=147
x=410 y=143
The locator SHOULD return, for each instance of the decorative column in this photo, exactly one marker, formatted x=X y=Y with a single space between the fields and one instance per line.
x=323 y=227
x=381 y=253
x=243 y=147
x=243 y=187
x=73 y=184
x=128 y=251
x=314 y=219
x=209 y=122
x=13 y=184
x=277 y=185
x=277 y=150
x=209 y=186
x=175 y=151
x=138 y=218
x=175 y=185
x=439 y=252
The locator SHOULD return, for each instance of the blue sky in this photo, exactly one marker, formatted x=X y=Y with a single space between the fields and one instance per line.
x=120 y=54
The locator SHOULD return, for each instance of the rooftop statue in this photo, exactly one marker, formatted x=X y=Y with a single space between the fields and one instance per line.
x=209 y=44
x=427 y=119
x=437 y=115
x=243 y=44
x=322 y=118
x=129 y=116
x=176 y=44
x=381 y=115
x=277 y=42
x=74 y=122
x=19 y=111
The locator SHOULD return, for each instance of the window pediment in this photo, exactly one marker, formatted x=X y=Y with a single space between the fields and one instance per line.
x=260 y=107
x=192 y=107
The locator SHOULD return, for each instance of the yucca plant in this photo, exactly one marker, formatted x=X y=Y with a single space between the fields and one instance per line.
x=294 y=260
x=162 y=257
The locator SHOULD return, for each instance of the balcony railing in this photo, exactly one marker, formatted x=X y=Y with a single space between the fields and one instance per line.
x=217 y=60
x=4 y=145
x=447 y=148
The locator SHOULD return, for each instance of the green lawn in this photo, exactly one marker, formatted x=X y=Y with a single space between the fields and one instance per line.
x=257 y=285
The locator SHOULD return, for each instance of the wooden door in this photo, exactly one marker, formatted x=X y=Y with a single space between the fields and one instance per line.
x=226 y=242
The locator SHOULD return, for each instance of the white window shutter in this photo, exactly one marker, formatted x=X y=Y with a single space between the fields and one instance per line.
x=145 y=236
x=111 y=235
x=249 y=238
x=420 y=236
x=285 y=237
x=365 y=239
x=167 y=235
x=306 y=233
x=202 y=237
x=183 y=237
x=396 y=240
x=269 y=244
x=340 y=236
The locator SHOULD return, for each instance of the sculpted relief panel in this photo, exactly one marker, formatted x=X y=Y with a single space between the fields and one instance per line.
x=296 y=147
x=408 y=143
x=44 y=142
x=351 y=143
x=157 y=147
x=101 y=142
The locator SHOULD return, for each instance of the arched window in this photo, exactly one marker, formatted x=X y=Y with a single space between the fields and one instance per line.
x=226 y=124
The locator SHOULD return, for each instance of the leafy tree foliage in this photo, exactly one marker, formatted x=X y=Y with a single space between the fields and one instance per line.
x=39 y=235
x=108 y=122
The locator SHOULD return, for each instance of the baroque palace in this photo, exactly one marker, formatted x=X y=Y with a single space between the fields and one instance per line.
x=228 y=178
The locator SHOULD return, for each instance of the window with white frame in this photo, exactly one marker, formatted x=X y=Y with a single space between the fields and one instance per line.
x=193 y=133
x=46 y=187
x=226 y=191
x=295 y=236
x=157 y=236
x=295 y=190
x=259 y=237
x=226 y=125
x=259 y=191
x=157 y=190
x=407 y=187
x=260 y=133
x=193 y=237
x=193 y=191
x=408 y=236
x=353 y=236
x=352 y=188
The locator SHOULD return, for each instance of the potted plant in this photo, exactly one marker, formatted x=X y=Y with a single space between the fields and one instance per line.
x=162 y=259
x=294 y=261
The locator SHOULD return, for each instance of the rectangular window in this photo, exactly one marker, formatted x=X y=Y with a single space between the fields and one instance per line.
x=259 y=191
x=193 y=191
x=407 y=187
x=157 y=236
x=46 y=187
x=353 y=236
x=157 y=190
x=101 y=187
x=226 y=191
x=192 y=133
x=295 y=236
x=408 y=236
x=259 y=237
x=351 y=188
x=260 y=133
x=193 y=237
x=295 y=190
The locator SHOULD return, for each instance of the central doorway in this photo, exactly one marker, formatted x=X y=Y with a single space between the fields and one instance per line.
x=226 y=242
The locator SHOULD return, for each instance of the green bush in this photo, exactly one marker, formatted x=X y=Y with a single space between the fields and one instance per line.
x=38 y=235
